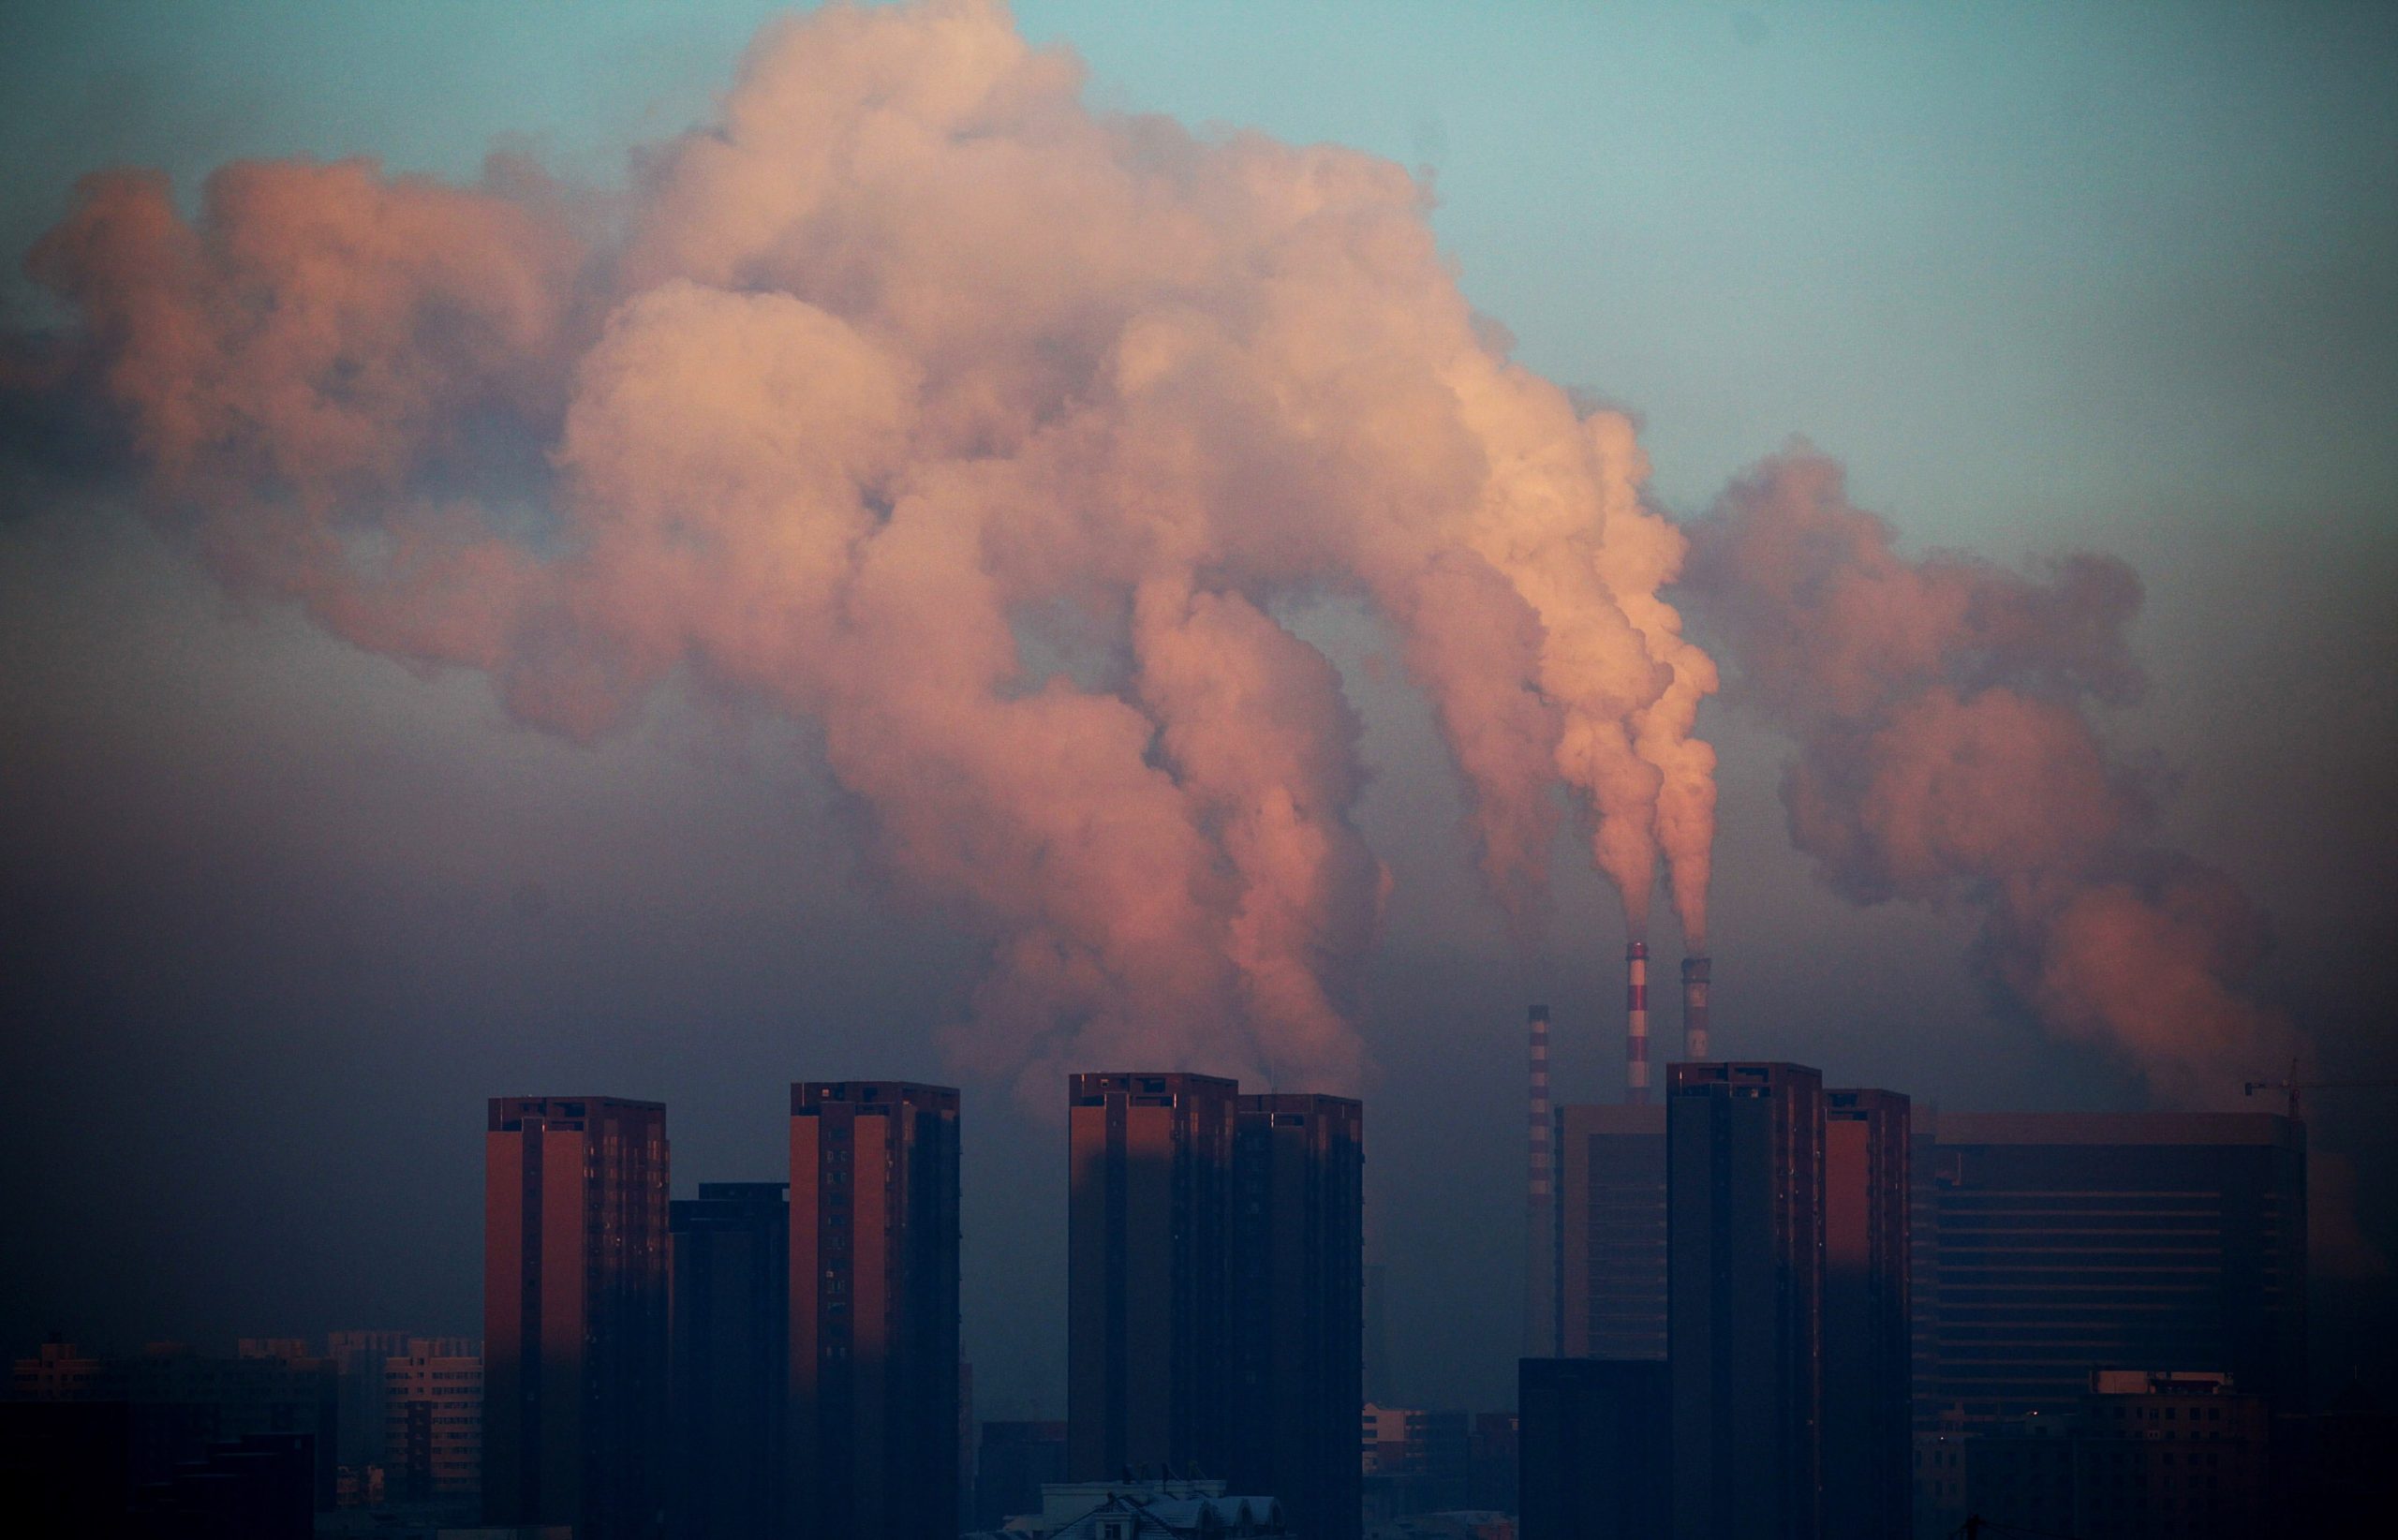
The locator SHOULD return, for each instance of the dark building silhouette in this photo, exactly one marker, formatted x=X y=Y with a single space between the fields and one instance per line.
x=1594 y=1449
x=2157 y=1456
x=1611 y=1232
x=66 y=1467
x=1014 y=1460
x=1377 y=1360
x=1298 y=1254
x=357 y=1358
x=2330 y=1475
x=259 y=1486
x=2049 y=1245
x=1490 y=1457
x=1745 y=1239
x=1150 y=1312
x=1417 y=1460
x=183 y=1403
x=872 y=1420
x=574 y=1313
x=1868 y=1413
x=727 y=1373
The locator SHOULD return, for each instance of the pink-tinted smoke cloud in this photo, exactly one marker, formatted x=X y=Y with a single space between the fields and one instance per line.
x=1947 y=754
x=908 y=358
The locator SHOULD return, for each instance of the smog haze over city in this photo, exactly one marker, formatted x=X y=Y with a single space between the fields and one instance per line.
x=664 y=552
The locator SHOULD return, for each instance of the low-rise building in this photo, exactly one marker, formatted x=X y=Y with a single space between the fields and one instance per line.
x=433 y=1422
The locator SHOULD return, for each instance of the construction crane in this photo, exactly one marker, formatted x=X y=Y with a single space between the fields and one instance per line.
x=2292 y=1084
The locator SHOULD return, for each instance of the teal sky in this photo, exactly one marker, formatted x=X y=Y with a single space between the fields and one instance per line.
x=2024 y=265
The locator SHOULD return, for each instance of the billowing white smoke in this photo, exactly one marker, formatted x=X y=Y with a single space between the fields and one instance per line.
x=909 y=359
x=1946 y=756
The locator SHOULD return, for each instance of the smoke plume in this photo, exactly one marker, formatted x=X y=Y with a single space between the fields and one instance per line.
x=991 y=432
x=1947 y=755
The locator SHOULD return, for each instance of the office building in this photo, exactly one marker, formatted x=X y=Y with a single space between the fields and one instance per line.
x=1868 y=1413
x=1744 y=1327
x=871 y=1423
x=1611 y=1232
x=2050 y=1245
x=575 y=1314
x=1298 y=1289
x=1149 y=1310
x=727 y=1372
x=1594 y=1449
x=433 y=1422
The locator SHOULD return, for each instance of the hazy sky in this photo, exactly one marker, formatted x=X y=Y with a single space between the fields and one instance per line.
x=275 y=914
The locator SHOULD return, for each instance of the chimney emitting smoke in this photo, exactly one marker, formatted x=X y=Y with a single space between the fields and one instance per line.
x=1636 y=1010
x=1539 y=1278
x=1694 y=972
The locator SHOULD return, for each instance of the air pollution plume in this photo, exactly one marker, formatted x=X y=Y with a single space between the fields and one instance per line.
x=1947 y=755
x=998 y=435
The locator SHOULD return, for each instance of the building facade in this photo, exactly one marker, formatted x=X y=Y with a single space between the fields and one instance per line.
x=1594 y=1452
x=871 y=1431
x=1150 y=1306
x=575 y=1314
x=1868 y=1416
x=433 y=1425
x=2056 y=1244
x=1611 y=1232
x=1745 y=1239
x=727 y=1370
x=2146 y=1455
x=1298 y=1255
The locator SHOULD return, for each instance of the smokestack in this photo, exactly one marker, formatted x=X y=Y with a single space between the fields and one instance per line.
x=1635 y=1011
x=1540 y=1232
x=1694 y=972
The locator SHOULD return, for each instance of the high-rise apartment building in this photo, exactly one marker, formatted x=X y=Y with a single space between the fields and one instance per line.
x=871 y=1427
x=1745 y=1240
x=574 y=1313
x=1611 y=1232
x=1299 y=1252
x=2050 y=1245
x=1867 y=1416
x=727 y=1372
x=1149 y=1309
x=433 y=1421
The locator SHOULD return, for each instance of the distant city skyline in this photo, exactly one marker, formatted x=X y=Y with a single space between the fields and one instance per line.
x=2041 y=278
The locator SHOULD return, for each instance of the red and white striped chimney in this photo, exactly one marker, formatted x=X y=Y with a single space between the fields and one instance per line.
x=1694 y=970
x=1636 y=1012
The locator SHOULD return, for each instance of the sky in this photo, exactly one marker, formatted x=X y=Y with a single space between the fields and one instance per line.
x=280 y=912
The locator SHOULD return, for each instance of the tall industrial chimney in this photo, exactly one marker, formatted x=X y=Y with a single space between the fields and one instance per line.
x=1636 y=1010
x=1694 y=1008
x=1540 y=1221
